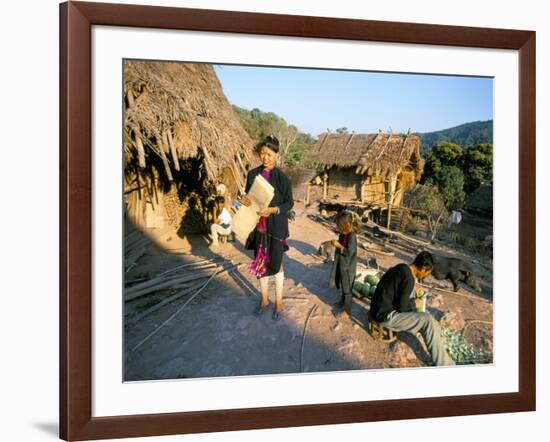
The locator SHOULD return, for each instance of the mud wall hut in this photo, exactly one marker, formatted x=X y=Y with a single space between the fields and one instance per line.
x=181 y=138
x=372 y=171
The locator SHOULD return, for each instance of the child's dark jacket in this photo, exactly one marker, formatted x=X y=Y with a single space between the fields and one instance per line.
x=344 y=267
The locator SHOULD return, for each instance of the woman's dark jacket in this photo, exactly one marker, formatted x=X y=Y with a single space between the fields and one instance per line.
x=344 y=267
x=276 y=225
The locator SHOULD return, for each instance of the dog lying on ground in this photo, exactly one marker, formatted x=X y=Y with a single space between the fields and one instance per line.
x=455 y=270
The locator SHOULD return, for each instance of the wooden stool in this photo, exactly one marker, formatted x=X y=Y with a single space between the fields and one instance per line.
x=379 y=332
x=223 y=238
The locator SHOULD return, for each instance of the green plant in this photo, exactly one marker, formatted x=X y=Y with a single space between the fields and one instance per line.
x=460 y=350
x=427 y=200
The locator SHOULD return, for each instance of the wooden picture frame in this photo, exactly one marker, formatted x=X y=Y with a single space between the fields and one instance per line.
x=76 y=20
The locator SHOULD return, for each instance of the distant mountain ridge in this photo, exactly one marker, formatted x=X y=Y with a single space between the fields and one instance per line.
x=474 y=133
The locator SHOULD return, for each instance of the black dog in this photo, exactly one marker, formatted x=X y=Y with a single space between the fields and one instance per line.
x=455 y=270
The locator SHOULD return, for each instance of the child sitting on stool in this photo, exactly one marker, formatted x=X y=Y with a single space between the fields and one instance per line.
x=222 y=226
x=344 y=267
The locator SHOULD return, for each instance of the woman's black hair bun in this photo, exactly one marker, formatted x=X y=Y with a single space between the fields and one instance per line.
x=270 y=141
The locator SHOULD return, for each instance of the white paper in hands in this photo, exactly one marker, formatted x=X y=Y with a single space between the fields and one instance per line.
x=245 y=219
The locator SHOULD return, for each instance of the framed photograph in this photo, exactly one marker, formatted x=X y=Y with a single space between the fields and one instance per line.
x=273 y=220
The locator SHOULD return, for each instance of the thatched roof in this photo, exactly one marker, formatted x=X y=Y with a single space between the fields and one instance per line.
x=177 y=111
x=373 y=154
x=480 y=201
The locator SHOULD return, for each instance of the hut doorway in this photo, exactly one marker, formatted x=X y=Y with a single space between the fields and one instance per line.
x=186 y=200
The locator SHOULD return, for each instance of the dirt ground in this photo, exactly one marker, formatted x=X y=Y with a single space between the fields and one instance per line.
x=217 y=333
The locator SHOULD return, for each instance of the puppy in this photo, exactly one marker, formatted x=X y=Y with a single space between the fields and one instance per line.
x=326 y=249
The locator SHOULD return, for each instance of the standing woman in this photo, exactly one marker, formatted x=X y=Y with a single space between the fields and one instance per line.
x=269 y=237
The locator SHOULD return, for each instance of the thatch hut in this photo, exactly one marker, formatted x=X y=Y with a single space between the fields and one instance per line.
x=367 y=170
x=181 y=138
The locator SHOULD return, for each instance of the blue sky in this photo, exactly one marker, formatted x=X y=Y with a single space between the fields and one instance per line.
x=316 y=100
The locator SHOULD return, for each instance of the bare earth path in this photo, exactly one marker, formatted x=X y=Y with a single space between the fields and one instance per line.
x=217 y=334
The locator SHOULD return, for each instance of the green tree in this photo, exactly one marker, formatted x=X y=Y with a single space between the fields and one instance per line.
x=342 y=130
x=298 y=149
x=474 y=133
x=450 y=182
x=443 y=154
x=428 y=201
x=258 y=124
x=477 y=163
x=442 y=169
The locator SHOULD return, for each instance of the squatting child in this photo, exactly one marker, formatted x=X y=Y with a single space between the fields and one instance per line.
x=222 y=226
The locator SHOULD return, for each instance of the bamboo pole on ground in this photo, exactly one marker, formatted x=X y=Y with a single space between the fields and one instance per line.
x=162 y=303
x=173 y=316
x=140 y=290
x=198 y=264
x=304 y=337
x=245 y=283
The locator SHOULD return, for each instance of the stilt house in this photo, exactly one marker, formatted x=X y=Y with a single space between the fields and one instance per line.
x=371 y=171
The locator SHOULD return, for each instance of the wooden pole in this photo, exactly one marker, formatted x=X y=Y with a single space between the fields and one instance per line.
x=308 y=189
x=173 y=150
x=139 y=147
x=130 y=96
x=238 y=179
x=164 y=144
x=164 y=159
x=325 y=187
x=241 y=164
x=390 y=202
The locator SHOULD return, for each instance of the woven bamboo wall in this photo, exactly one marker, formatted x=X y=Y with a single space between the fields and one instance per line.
x=344 y=184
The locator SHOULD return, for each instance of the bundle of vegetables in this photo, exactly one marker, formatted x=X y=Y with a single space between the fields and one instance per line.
x=459 y=349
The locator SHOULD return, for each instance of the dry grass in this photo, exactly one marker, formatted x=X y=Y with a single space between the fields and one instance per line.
x=182 y=105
